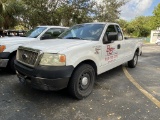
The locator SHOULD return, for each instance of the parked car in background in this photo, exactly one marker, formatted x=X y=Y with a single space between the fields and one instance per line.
x=9 y=45
x=12 y=33
x=158 y=41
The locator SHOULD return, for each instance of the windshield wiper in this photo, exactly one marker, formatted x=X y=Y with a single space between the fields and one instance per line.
x=74 y=38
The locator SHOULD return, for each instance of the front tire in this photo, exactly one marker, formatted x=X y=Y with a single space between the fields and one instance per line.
x=82 y=81
x=132 y=63
x=11 y=66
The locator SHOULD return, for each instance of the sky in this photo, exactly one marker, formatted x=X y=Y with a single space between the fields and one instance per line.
x=136 y=8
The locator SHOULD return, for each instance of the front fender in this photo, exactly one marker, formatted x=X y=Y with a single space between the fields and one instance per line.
x=78 y=57
x=12 y=48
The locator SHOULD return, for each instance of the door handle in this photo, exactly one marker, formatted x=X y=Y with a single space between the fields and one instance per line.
x=118 y=46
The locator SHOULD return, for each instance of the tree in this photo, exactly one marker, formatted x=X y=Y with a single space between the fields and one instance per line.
x=56 y=12
x=9 y=9
x=108 y=10
x=156 y=13
x=31 y=13
x=77 y=11
x=140 y=26
x=40 y=12
x=123 y=24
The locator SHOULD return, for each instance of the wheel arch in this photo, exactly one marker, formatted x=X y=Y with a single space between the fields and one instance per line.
x=90 y=62
x=138 y=51
x=74 y=82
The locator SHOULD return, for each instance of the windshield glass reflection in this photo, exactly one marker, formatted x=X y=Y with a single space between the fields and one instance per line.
x=34 y=33
x=84 y=32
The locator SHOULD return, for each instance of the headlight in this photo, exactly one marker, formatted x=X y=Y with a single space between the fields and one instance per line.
x=53 y=59
x=2 y=48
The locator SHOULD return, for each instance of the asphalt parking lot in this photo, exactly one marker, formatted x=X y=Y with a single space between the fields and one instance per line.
x=117 y=95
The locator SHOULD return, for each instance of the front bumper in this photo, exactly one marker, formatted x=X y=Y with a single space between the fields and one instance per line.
x=44 y=77
x=4 y=58
x=3 y=63
x=4 y=55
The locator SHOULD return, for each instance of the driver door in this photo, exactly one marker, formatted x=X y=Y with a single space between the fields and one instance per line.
x=112 y=52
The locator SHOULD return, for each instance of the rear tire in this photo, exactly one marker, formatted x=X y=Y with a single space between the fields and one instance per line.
x=82 y=81
x=132 y=63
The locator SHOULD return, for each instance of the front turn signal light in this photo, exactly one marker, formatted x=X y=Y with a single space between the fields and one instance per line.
x=62 y=58
x=2 y=48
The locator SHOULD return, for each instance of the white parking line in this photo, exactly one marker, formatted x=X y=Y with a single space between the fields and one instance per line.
x=153 y=99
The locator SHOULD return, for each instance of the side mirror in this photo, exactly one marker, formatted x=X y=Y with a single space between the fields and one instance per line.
x=46 y=36
x=112 y=36
x=108 y=39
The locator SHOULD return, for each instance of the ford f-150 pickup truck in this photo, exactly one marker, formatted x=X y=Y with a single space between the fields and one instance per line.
x=74 y=60
x=9 y=45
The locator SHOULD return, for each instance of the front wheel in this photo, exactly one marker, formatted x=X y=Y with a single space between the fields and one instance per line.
x=132 y=63
x=82 y=81
x=11 y=66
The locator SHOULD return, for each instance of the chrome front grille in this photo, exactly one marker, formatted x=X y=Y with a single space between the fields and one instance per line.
x=27 y=56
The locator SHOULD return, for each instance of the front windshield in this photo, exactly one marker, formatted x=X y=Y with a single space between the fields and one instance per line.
x=34 y=33
x=84 y=32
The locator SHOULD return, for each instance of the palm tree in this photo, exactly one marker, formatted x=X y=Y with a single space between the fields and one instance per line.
x=9 y=10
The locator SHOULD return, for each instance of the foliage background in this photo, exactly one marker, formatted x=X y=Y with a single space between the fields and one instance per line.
x=26 y=14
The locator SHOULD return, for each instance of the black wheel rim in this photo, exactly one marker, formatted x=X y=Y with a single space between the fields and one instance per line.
x=85 y=81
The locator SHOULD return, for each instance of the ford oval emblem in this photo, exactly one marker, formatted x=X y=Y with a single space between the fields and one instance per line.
x=24 y=56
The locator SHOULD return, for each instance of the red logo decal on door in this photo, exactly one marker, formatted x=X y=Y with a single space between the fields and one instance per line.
x=110 y=50
x=112 y=55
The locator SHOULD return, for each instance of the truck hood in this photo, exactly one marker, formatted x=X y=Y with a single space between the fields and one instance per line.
x=57 y=45
x=14 y=40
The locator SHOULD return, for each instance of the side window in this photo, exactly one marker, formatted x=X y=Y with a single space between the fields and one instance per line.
x=111 y=28
x=111 y=33
x=52 y=33
x=120 y=36
x=63 y=29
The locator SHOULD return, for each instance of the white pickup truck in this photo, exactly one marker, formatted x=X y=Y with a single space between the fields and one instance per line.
x=74 y=60
x=9 y=45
